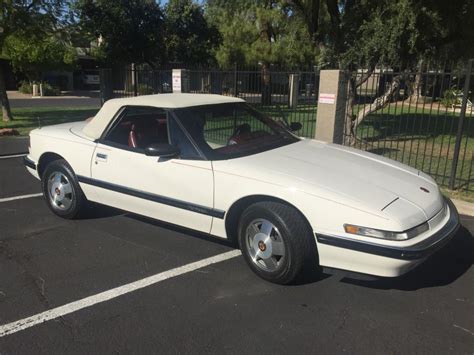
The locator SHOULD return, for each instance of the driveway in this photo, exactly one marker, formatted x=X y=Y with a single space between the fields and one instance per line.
x=72 y=99
x=115 y=283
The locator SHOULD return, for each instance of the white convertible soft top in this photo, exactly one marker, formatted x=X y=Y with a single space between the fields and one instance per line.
x=97 y=125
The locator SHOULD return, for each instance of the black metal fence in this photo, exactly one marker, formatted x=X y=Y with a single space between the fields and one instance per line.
x=423 y=119
x=248 y=84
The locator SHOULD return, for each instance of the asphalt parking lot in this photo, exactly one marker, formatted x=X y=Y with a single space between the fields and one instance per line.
x=47 y=262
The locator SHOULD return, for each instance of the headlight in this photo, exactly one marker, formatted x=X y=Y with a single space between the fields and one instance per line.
x=381 y=234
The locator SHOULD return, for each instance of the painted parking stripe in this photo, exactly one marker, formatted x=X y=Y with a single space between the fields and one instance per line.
x=6 y=199
x=12 y=156
x=75 y=306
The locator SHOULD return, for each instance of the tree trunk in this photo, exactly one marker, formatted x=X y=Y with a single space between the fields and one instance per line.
x=354 y=83
x=417 y=95
x=6 y=111
x=378 y=103
x=266 y=85
x=349 y=138
x=265 y=37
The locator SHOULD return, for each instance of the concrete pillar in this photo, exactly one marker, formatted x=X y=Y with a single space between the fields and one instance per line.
x=293 y=90
x=35 y=90
x=331 y=106
x=181 y=80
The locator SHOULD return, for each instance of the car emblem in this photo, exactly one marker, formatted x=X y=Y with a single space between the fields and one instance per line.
x=424 y=189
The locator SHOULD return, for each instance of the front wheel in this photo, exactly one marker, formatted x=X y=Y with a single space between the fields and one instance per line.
x=276 y=242
x=62 y=191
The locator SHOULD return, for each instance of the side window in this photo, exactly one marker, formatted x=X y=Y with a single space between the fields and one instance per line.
x=179 y=139
x=138 y=127
x=224 y=128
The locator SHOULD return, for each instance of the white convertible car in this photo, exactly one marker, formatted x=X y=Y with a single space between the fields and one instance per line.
x=213 y=164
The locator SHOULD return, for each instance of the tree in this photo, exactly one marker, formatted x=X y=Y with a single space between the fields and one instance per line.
x=190 y=39
x=32 y=58
x=27 y=20
x=131 y=31
x=406 y=34
x=261 y=31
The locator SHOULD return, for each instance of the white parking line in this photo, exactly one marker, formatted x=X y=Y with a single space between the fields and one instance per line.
x=6 y=199
x=12 y=156
x=54 y=313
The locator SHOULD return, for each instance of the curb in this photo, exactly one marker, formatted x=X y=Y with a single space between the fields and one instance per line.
x=463 y=207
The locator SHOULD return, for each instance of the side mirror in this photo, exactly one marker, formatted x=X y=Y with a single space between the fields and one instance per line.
x=295 y=126
x=162 y=150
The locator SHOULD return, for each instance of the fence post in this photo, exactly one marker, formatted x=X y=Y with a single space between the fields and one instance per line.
x=134 y=80
x=331 y=106
x=235 y=80
x=462 y=114
x=293 y=88
x=181 y=82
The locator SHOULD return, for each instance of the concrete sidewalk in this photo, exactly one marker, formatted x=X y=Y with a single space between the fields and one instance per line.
x=71 y=99
x=77 y=94
x=464 y=207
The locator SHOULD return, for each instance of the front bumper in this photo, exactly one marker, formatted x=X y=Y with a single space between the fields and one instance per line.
x=31 y=166
x=383 y=260
x=29 y=163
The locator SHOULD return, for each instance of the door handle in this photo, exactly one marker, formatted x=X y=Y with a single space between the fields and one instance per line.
x=101 y=157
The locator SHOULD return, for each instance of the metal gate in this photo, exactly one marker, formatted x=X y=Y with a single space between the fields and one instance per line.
x=421 y=118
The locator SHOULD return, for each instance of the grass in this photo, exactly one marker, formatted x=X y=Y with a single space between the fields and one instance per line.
x=26 y=119
x=421 y=138
x=305 y=114
x=458 y=194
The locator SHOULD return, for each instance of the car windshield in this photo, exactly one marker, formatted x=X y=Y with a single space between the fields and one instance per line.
x=232 y=130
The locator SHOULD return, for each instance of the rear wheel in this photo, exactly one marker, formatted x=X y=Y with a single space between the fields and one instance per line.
x=276 y=242
x=62 y=191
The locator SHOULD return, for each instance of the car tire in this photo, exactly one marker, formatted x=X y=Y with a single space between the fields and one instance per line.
x=276 y=242
x=61 y=190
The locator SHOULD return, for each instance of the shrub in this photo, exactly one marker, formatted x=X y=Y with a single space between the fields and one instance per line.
x=26 y=87
x=50 y=90
x=144 y=89
x=451 y=97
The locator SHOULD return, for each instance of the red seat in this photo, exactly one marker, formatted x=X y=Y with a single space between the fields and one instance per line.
x=133 y=138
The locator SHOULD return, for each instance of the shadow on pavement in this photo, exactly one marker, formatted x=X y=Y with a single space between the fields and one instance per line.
x=442 y=268
x=179 y=229
x=96 y=211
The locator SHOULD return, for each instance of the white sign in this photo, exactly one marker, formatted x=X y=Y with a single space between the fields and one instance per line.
x=176 y=80
x=327 y=99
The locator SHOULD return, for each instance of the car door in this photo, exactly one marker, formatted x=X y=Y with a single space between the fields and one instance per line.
x=176 y=190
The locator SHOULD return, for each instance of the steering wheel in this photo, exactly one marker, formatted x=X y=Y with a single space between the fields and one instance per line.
x=239 y=131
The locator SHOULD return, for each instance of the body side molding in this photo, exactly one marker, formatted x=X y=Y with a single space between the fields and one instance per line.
x=152 y=197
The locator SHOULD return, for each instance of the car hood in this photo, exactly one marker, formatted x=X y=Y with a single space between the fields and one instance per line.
x=363 y=180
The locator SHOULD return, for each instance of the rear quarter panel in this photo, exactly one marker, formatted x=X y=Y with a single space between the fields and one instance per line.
x=77 y=151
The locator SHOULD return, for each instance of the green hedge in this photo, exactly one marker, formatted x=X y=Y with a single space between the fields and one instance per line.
x=26 y=87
